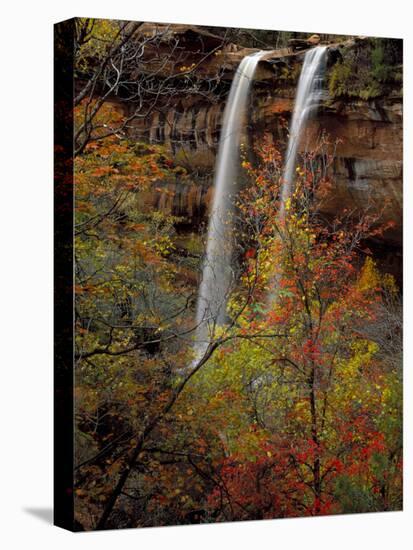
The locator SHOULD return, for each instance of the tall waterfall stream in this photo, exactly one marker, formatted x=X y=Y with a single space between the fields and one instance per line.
x=217 y=272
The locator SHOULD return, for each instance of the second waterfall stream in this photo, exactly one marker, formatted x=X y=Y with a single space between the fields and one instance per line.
x=218 y=266
x=307 y=99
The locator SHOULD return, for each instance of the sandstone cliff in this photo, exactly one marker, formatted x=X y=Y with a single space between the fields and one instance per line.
x=361 y=109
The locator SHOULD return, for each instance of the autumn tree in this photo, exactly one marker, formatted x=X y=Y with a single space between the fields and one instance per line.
x=293 y=406
x=134 y=321
x=316 y=428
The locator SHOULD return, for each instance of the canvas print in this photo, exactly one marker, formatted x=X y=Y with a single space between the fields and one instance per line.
x=228 y=272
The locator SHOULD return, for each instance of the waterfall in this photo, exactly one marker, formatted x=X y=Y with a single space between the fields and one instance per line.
x=217 y=273
x=309 y=91
x=308 y=95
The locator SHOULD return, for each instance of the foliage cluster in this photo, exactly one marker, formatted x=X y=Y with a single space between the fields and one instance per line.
x=297 y=408
x=368 y=70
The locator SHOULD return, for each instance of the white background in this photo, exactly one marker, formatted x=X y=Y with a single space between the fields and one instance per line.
x=26 y=273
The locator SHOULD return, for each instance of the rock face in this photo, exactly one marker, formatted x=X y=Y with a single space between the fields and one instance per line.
x=367 y=167
x=302 y=44
x=368 y=158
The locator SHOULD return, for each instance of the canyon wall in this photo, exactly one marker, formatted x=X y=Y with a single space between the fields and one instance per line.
x=365 y=120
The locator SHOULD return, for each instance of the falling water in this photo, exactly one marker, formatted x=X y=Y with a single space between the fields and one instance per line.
x=309 y=92
x=217 y=274
x=308 y=95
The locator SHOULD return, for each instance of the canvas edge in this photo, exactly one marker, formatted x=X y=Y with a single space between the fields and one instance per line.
x=63 y=428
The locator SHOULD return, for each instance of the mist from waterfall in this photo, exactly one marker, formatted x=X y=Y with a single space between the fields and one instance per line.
x=218 y=273
x=309 y=92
